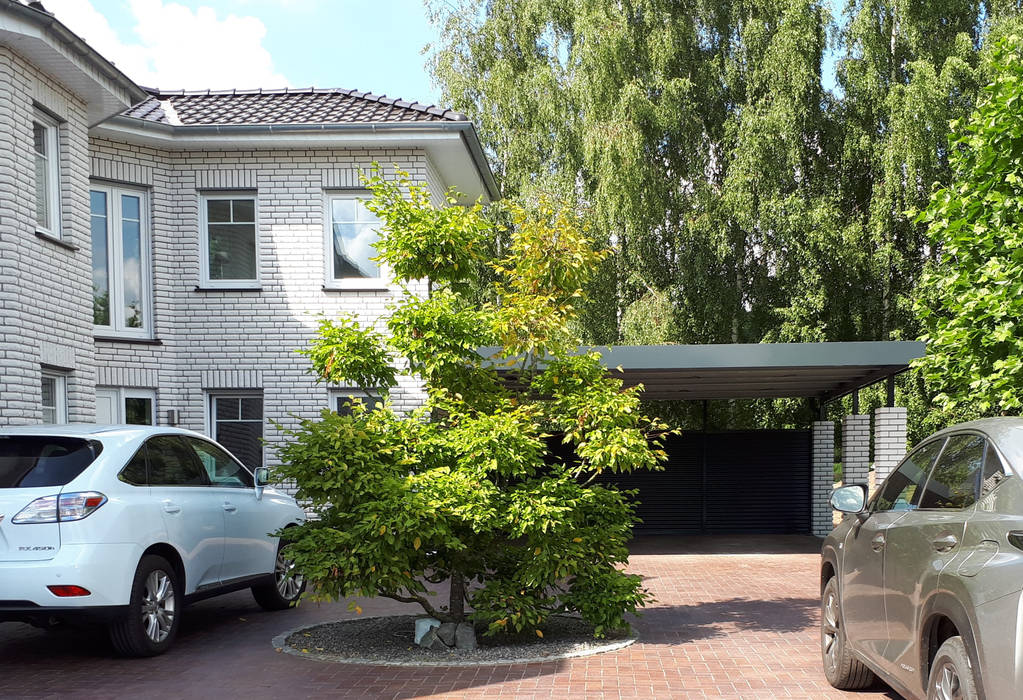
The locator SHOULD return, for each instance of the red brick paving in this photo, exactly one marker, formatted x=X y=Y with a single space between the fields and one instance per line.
x=734 y=618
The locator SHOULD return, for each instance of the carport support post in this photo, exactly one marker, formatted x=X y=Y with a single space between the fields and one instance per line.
x=889 y=440
x=823 y=476
x=856 y=449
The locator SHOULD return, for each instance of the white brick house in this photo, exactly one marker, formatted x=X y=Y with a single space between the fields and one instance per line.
x=163 y=255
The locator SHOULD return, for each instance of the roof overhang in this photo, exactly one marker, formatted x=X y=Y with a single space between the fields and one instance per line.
x=453 y=147
x=50 y=46
x=824 y=371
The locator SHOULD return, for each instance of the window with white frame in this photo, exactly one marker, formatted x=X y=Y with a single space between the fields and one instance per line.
x=116 y=405
x=121 y=297
x=54 y=396
x=352 y=235
x=229 y=240
x=46 y=144
x=236 y=422
x=341 y=400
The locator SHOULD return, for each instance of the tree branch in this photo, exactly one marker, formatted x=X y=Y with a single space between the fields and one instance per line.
x=430 y=610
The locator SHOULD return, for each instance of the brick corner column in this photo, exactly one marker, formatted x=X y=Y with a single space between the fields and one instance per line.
x=889 y=440
x=856 y=449
x=823 y=476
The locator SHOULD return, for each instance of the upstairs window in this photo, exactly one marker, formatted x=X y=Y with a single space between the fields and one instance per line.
x=352 y=239
x=341 y=400
x=229 y=241
x=46 y=144
x=121 y=298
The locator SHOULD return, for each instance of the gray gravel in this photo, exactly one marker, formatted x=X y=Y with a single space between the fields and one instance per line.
x=388 y=641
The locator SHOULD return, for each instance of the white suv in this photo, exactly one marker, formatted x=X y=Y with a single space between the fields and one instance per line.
x=127 y=524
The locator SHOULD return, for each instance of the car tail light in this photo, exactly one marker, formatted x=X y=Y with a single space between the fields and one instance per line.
x=68 y=591
x=63 y=508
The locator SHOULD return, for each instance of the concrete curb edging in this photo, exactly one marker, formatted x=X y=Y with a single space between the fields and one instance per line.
x=280 y=643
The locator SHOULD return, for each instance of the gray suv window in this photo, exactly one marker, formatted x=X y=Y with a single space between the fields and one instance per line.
x=900 y=492
x=994 y=471
x=955 y=480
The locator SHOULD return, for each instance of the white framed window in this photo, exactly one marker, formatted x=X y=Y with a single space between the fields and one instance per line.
x=46 y=147
x=121 y=280
x=121 y=405
x=352 y=234
x=54 y=396
x=229 y=240
x=236 y=422
x=341 y=400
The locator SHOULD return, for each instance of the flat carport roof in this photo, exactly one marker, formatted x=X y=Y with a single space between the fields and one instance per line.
x=824 y=371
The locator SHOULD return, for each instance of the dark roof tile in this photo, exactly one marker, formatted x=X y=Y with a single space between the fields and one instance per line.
x=285 y=106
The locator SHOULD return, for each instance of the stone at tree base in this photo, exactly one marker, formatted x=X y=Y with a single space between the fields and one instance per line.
x=446 y=633
x=465 y=636
x=424 y=625
x=427 y=640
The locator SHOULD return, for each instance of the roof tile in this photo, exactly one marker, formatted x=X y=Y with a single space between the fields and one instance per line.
x=284 y=106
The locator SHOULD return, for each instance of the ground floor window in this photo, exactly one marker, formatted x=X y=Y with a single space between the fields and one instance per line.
x=116 y=405
x=54 y=396
x=341 y=400
x=236 y=422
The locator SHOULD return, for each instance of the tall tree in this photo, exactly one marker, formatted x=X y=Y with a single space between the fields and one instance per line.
x=972 y=295
x=741 y=194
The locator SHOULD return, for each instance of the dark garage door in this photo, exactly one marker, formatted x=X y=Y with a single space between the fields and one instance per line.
x=740 y=481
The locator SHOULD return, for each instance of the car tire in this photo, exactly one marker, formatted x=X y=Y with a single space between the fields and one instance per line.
x=951 y=673
x=287 y=587
x=154 y=610
x=841 y=668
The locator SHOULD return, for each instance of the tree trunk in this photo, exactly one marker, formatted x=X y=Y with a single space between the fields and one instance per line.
x=456 y=601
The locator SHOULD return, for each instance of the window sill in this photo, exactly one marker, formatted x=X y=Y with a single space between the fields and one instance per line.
x=44 y=235
x=381 y=287
x=127 y=339
x=228 y=289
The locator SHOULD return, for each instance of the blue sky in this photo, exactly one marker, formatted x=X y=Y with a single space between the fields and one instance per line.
x=372 y=45
x=362 y=44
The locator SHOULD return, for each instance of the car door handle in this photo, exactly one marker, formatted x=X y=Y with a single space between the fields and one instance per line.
x=944 y=543
x=169 y=507
x=877 y=544
x=230 y=507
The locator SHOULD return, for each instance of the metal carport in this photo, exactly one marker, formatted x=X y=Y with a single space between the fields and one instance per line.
x=756 y=480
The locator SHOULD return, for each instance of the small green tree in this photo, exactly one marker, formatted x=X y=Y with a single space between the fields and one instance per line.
x=970 y=301
x=463 y=490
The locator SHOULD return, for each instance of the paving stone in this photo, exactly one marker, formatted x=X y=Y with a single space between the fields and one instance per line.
x=734 y=618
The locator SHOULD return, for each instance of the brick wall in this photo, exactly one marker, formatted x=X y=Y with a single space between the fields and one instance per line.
x=889 y=440
x=213 y=340
x=823 y=476
x=45 y=287
x=855 y=449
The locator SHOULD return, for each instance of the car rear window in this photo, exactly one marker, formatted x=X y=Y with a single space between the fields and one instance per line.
x=30 y=460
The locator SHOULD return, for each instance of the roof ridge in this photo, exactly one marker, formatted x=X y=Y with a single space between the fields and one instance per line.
x=416 y=106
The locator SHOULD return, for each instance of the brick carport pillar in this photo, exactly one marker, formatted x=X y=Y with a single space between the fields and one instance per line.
x=823 y=476
x=889 y=440
x=856 y=449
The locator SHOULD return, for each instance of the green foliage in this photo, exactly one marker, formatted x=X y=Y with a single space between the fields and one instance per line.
x=971 y=298
x=462 y=490
x=744 y=200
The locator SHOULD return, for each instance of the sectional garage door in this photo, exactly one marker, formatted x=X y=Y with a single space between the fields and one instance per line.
x=740 y=481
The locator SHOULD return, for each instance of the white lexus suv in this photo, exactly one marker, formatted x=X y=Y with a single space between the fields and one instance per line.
x=126 y=524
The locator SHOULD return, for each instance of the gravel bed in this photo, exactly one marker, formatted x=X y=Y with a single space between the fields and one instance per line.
x=388 y=641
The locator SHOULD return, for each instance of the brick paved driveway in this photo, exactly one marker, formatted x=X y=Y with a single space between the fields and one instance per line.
x=735 y=618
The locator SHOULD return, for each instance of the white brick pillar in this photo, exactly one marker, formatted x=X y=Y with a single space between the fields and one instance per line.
x=823 y=476
x=889 y=440
x=855 y=449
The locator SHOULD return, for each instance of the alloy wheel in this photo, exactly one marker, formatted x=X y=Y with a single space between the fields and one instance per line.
x=158 y=608
x=289 y=581
x=829 y=635
x=947 y=685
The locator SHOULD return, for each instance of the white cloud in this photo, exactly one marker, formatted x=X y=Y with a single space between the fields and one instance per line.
x=174 y=47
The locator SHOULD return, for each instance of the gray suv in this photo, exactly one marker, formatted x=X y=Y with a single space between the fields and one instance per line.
x=922 y=584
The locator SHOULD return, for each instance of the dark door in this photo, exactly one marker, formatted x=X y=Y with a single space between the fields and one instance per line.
x=739 y=481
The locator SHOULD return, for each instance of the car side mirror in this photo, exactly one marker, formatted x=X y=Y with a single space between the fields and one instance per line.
x=261 y=477
x=849 y=499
